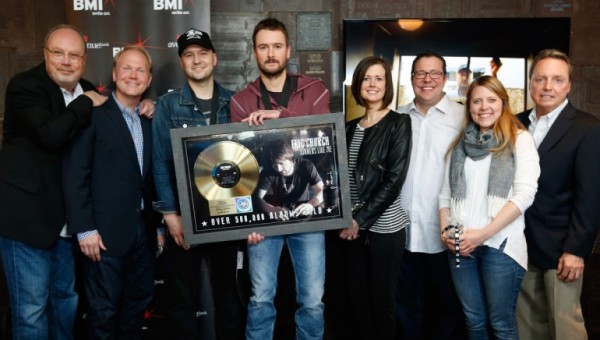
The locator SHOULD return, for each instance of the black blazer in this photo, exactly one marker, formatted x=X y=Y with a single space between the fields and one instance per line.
x=565 y=215
x=103 y=184
x=37 y=129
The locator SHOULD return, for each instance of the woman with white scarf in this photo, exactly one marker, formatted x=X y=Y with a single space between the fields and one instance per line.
x=491 y=179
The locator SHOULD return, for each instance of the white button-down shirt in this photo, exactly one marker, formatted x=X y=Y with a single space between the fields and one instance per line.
x=69 y=96
x=539 y=127
x=432 y=135
x=476 y=213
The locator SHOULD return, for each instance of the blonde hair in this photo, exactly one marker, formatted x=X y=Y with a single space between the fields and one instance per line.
x=140 y=49
x=505 y=128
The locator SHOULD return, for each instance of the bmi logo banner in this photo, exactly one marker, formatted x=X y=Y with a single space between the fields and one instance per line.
x=110 y=25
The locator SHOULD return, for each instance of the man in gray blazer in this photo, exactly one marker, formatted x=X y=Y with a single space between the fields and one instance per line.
x=561 y=224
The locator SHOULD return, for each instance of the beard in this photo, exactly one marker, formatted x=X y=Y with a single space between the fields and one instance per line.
x=272 y=72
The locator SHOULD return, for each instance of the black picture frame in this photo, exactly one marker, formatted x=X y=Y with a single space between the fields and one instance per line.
x=216 y=170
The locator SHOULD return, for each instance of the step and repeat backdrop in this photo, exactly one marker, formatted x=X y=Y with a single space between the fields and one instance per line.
x=108 y=26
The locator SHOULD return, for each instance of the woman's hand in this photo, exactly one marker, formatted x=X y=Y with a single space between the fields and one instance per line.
x=469 y=240
x=448 y=242
x=351 y=233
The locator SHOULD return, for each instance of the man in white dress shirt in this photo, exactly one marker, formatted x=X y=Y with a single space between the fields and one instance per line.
x=426 y=303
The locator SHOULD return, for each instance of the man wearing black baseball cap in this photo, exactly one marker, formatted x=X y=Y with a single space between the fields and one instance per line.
x=201 y=101
x=194 y=37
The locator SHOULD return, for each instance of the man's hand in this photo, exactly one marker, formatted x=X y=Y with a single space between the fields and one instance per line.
x=570 y=267
x=175 y=225
x=303 y=209
x=97 y=99
x=147 y=108
x=257 y=117
x=91 y=246
x=255 y=238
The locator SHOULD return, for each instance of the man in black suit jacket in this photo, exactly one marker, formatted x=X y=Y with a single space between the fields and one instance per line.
x=45 y=107
x=561 y=224
x=109 y=193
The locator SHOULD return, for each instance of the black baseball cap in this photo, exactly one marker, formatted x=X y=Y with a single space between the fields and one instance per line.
x=194 y=36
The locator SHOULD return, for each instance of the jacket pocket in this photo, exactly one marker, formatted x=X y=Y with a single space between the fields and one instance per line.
x=185 y=122
x=379 y=167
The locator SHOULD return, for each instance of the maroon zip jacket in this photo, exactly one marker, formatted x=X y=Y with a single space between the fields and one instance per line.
x=310 y=97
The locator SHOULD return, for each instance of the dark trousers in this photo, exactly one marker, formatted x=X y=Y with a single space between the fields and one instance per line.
x=369 y=274
x=183 y=272
x=118 y=290
x=426 y=303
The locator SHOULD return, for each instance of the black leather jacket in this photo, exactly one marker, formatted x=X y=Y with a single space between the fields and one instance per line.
x=381 y=166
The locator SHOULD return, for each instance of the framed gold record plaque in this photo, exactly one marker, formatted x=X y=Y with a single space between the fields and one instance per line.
x=287 y=176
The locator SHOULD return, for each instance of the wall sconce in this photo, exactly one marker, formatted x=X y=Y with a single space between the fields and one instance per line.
x=410 y=24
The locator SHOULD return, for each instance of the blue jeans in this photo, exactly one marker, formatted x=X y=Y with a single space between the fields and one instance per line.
x=41 y=288
x=307 y=252
x=487 y=284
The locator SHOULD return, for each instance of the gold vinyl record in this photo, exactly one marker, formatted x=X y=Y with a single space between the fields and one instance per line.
x=226 y=170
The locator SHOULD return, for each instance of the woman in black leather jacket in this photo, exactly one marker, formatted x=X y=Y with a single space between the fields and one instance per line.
x=379 y=146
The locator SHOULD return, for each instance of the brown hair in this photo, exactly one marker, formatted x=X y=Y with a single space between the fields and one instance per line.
x=428 y=54
x=279 y=149
x=271 y=24
x=359 y=74
x=554 y=54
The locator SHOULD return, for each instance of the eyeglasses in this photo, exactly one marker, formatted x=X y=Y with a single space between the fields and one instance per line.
x=432 y=74
x=59 y=55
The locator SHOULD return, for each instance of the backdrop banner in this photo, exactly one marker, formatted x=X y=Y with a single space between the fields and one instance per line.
x=110 y=25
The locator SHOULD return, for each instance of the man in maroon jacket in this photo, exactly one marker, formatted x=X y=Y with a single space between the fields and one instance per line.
x=279 y=94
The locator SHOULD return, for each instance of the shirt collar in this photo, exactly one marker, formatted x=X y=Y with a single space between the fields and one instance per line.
x=69 y=96
x=551 y=116
x=443 y=106
x=125 y=109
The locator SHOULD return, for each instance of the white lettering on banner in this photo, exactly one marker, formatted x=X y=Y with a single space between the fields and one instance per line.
x=88 y=5
x=168 y=5
x=96 y=45
x=116 y=50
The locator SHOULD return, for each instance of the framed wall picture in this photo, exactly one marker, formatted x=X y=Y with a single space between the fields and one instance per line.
x=287 y=176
